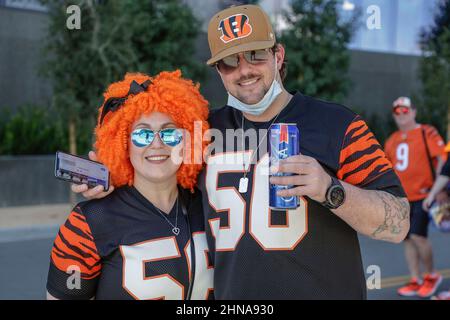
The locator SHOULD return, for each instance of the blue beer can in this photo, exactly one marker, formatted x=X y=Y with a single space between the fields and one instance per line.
x=284 y=141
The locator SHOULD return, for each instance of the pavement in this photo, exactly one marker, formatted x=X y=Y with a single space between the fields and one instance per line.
x=27 y=233
x=26 y=216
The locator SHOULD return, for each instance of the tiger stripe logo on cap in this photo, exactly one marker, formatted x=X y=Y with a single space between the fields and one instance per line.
x=235 y=27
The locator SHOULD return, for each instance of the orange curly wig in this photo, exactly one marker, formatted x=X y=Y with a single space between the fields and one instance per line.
x=168 y=93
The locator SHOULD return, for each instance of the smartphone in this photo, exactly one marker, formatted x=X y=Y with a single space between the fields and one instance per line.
x=75 y=169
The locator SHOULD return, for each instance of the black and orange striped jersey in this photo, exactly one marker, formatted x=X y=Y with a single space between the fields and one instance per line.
x=306 y=253
x=120 y=247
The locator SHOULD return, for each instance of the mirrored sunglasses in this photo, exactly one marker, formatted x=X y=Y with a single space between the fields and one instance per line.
x=400 y=110
x=144 y=137
x=230 y=63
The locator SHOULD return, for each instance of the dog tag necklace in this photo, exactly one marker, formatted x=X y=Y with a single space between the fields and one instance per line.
x=243 y=182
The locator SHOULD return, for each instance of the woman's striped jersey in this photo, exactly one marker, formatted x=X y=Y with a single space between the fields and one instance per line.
x=120 y=247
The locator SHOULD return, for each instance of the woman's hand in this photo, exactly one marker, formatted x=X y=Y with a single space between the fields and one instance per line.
x=94 y=193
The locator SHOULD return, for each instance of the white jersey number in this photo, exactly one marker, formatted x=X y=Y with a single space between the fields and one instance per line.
x=164 y=286
x=229 y=200
x=402 y=155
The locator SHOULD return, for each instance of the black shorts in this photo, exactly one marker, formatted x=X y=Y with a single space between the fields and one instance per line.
x=418 y=219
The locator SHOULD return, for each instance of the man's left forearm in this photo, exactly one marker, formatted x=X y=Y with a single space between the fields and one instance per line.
x=440 y=164
x=377 y=214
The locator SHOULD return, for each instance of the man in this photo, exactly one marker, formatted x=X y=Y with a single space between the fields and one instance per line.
x=414 y=151
x=311 y=252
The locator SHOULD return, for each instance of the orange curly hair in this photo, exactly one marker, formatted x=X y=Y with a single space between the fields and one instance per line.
x=168 y=93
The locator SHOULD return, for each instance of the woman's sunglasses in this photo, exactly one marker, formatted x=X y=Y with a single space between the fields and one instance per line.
x=400 y=110
x=144 y=137
x=230 y=63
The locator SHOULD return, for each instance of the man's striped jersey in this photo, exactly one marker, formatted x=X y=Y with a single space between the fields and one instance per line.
x=306 y=253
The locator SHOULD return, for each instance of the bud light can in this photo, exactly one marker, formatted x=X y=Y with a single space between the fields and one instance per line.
x=283 y=142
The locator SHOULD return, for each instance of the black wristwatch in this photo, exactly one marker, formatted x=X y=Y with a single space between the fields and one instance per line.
x=335 y=195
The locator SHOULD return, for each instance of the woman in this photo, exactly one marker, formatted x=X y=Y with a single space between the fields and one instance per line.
x=146 y=239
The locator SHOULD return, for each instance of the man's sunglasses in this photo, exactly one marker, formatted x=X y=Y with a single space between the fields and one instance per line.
x=144 y=137
x=230 y=63
x=400 y=110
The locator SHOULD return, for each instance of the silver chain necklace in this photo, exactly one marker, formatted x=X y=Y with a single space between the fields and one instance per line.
x=175 y=229
x=243 y=182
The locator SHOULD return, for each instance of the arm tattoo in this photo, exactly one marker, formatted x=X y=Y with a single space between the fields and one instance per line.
x=396 y=211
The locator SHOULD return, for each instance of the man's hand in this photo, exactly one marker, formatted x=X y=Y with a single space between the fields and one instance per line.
x=94 y=193
x=426 y=203
x=310 y=178
x=440 y=198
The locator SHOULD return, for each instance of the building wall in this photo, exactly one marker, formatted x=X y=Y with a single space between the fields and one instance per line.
x=21 y=36
x=29 y=180
x=379 y=78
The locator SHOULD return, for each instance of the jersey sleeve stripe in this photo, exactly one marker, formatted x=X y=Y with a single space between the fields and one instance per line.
x=66 y=262
x=79 y=217
x=82 y=222
x=76 y=260
x=362 y=165
x=378 y=171
x=76 y=241
x=361 y=155
x=75 y=246
x=365 y=135
x=75 y=235
x=79 y=229
x=361 y=158
x=366 y=171
x=355 y=129
x=63 y=261
x=351 y=133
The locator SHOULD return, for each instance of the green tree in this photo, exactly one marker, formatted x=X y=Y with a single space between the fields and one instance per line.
x=434 y=71
x=163 y=35
x=81 y=62
x=116 y=36
x=316 y=40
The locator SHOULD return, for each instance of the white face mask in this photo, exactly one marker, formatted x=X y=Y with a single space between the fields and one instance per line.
x=261 y=106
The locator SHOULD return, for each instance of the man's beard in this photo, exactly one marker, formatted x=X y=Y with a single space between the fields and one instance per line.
x=251 y=98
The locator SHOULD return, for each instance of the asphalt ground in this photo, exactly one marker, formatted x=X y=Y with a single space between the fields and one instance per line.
x=24 y=256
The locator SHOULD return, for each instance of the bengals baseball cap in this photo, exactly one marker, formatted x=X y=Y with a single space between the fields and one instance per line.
x=238 y=29
x=402 y=102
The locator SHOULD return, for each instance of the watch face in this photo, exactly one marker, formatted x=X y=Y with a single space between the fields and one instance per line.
x=337 y=196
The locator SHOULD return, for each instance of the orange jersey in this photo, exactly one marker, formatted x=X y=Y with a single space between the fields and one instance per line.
x=407 y=152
